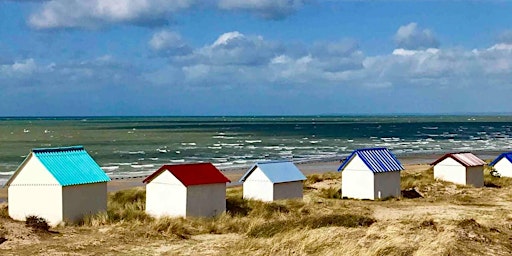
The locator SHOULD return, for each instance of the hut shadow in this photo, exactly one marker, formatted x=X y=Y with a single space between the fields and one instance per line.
x=490 y=184
x=411 y=193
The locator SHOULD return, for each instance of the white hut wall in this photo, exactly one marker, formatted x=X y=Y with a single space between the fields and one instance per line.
x=258 y=186
x=166 y=196
x=34 y=191
x=504 y=167
x=450 y=170
x=357 y=180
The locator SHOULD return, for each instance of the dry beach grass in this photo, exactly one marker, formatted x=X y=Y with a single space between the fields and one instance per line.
x=434 y=218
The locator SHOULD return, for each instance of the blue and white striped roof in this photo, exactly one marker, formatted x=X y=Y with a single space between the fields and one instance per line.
x=277 y=171
x=507 y=155
x=377 y=160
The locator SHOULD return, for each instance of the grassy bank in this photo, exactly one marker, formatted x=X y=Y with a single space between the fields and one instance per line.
x=435 y=218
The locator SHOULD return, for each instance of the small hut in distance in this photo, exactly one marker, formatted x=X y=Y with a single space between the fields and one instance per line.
x=57 y=184
x=503 y=164
x=185 y=190
x=461 y=168
x=370 y=173
x=270 y=181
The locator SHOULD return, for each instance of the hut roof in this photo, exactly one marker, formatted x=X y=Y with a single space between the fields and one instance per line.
x=465 y=158
x=68 y=165
x=192 y=174
x=277 y=171
x=377 y=159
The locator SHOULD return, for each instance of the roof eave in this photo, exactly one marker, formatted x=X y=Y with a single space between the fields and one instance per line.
x=20 y=167
x=248 y=173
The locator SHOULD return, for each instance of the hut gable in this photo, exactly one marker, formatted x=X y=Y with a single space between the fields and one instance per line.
x=191 y=174
x=370 y=173
x=503 y=164
x=376 y=160
x=65 y=166
x=275 y=172
x=507 y=156
x=58 y=184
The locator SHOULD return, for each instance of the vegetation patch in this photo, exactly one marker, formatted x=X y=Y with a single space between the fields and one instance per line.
x=37 y=223
x=330 y=193
x=269 y=229
x=417 y=179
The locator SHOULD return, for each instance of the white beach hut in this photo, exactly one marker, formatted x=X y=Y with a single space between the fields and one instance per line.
x=269 y=181
x=461 y=168
x=58 y=184
x=186 y=190
x=370 y=173
x=503 y=164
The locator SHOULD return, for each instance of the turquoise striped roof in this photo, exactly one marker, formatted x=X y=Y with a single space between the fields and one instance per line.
x=71 y=165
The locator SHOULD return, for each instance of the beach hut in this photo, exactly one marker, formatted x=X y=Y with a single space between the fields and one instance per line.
x=269 y=181
x=186 y=190
x=503 y=164
x=58 y=184
x=370 y=173
x=461 y=168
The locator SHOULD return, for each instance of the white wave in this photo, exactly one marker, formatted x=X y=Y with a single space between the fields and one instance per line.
x=140 y=152
x=109 y=168
x=210 y=147
x=177 y=160
x=142 y=165
x=253 y=141
x=188 y=144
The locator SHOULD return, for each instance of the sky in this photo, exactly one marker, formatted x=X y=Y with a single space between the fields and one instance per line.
x=254 y=57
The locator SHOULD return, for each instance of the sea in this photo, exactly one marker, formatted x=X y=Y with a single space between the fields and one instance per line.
x=137 y=146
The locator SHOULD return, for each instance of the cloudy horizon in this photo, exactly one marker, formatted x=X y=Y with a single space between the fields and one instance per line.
x=257 y=57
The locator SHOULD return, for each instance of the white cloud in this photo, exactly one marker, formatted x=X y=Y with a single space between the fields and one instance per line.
x=96 y=13
x=233 y=48
x=411 y=37
x=19 y=68
x=169 y=42
x=268 y=9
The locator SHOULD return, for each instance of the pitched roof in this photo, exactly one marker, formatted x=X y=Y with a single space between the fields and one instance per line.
x=68 y=165
x=192 y=174
x=507 y=155
x=465 y=158
x=377 y=160
x=277 y=171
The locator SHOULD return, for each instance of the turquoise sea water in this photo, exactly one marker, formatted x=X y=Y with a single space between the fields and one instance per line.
x=129 y=146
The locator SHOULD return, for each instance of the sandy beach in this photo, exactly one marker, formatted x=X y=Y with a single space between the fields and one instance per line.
x=441 y=219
